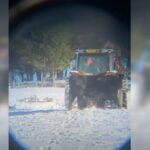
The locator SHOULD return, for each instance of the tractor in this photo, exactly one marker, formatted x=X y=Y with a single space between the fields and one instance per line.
x=96 y=78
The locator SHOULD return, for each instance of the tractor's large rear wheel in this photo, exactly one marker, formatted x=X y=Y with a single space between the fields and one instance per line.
x=120 y=98
x=68 y=97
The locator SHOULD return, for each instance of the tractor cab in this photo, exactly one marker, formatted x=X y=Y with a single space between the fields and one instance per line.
x=95 y=61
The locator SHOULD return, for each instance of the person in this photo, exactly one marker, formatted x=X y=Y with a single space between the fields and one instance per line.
x=90 y=65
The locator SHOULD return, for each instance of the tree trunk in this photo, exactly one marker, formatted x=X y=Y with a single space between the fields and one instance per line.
x=43 y=77
x=53 y=78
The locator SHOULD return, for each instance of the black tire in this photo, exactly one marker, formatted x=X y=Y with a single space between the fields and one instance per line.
x=119 y=98
x=68 y=97
x=122 y=98
x=125 y=100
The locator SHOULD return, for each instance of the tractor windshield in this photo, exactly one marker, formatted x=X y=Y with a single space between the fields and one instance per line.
x=93 y=63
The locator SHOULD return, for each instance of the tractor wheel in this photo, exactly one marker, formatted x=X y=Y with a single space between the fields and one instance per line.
x=120 y=98
x=125 y=99
x=68 y=97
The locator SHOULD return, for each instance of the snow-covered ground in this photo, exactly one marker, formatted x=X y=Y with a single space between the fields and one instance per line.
x=36 y=98
x=39 y=120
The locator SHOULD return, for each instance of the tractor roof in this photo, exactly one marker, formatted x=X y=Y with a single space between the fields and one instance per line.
x=94 y=51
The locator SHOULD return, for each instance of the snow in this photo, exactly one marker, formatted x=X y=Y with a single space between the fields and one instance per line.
x=39 y=120
x=36 y=98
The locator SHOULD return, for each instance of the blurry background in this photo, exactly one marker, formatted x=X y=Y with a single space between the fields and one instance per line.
x=3 y=74
x=140 y=57
x=139 y=44
x=3 y=46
